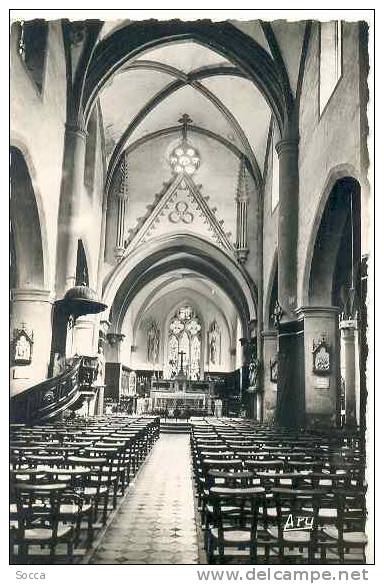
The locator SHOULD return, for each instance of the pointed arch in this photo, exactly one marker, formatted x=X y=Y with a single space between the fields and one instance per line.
x=27 y=225
x=127 y=42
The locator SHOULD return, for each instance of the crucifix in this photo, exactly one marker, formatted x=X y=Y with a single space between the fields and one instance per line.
x=185 y=120
x=181 y=353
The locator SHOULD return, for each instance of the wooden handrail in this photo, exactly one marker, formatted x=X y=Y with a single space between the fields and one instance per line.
x=43 y=400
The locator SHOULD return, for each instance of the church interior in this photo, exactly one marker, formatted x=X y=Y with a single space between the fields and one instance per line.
x=189 y=254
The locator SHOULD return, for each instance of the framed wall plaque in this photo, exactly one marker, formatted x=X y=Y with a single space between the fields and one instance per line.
x=22 y=347
x=322 y=359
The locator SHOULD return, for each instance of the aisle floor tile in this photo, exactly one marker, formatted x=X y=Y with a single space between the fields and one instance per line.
x=156 y=523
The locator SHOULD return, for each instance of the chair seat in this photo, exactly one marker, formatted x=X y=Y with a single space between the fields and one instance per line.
x=71 y=509
x=224 y=509
x=327 y=513
x=291 y=536
x=93 y=490
x=103 y=479
x=233 y=536
x=45 y=534
x=272 y=511
x=351 y=537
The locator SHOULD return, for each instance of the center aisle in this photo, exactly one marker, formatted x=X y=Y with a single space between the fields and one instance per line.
x=155 y=523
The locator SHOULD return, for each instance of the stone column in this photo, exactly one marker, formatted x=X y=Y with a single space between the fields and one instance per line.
x=113 y=348
x=287 y=150
x=322 y=399
x=242 y=199
x=31 y=309
x=71 y=192
x=290 y=383
x=348 y=330
x=259 y=413
x=270 y=387
x=99 y=407
x=122 y=201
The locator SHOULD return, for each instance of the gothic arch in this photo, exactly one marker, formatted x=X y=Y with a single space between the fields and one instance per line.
x=119 y=47
x=176 y=252
x=336 y=174
x=186 y=291
x=28 y=222
x=183 y=79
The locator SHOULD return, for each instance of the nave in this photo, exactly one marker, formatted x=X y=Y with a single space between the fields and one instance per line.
x=190 y=253
x=111 y=491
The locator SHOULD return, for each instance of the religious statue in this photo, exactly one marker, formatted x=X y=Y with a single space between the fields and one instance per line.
x=153 y=343
x=100 y=368
x=212 y=349
x=254 y=371
x=214 y=343
x=218 y=411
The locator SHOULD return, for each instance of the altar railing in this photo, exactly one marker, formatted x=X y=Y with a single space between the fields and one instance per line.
x=189 y=386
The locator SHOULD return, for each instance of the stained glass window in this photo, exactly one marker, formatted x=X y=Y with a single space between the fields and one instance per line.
x=184 y=336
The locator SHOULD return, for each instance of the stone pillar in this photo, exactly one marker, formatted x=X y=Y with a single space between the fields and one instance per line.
x=113 y=347
x=259 y=414
x=122 y=201
x=287 y=150
x=71 y=193
x=99 y=409
x=270 y=387
x=31 y=309
x=348 y=330
x=290 y=383
x=322 y=399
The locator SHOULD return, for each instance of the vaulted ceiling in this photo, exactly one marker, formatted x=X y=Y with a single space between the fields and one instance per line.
x=149 y=95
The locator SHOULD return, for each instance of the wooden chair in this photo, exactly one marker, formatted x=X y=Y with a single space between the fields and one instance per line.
x=295 y=531
x=234 y=523
x=39 y=522
x=346 y=531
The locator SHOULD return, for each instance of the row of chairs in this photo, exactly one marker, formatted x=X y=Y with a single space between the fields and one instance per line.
x=67 y=477
x=273 y=495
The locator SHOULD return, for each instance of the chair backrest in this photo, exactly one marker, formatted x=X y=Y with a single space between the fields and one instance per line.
x=248 y=500
x=290 y=503
x=38 y=506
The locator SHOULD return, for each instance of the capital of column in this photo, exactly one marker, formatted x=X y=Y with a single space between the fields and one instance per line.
x=269 y=334
x=76 y=130
x=31 y=295
x=115 y=338
x=317 y=312
x=122 y=195
x=287 y=145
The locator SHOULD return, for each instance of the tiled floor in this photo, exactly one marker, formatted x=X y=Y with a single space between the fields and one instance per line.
x=155 y=524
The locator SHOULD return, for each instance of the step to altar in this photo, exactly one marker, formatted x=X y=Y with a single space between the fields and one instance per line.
x=173 y=427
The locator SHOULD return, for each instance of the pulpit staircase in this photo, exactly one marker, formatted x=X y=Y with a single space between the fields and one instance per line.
x=50 y=398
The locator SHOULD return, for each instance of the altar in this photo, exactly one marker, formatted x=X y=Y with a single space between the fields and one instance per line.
x=181 y=393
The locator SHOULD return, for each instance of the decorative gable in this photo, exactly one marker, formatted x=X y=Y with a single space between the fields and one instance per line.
x=180 y=208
